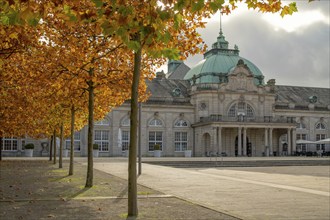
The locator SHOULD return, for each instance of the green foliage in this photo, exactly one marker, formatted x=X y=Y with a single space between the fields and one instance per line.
x=288 y=10
x=196 y=6
x=157 y=147
x=98 y=3
x=134 y=45
x=216 y=5
x=123 y=215
x=29 y=146
x=70 y=13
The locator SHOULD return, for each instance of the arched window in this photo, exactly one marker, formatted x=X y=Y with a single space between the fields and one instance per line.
x=180 y=137
x=249 y=111
x=155 y=136
x=156 y=123
x=126 y=122
x=301 y=126
x=241 y=108
x=181 y=123
x=102 y=122
x=232 y=111
x=320 y=126
x=125 y=133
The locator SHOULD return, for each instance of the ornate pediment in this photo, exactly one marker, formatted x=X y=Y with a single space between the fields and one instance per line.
x=241 y=78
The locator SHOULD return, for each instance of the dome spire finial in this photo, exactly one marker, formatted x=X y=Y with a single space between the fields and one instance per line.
x=221 y=42
x=220 y=24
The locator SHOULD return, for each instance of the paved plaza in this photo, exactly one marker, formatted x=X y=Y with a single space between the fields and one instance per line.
x=290 y=192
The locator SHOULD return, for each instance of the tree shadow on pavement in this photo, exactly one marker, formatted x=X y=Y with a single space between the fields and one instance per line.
x=78 y=193
x=121 y=194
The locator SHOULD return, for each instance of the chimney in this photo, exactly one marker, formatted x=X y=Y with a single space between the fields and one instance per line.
x=160 y=75
x=172 y=65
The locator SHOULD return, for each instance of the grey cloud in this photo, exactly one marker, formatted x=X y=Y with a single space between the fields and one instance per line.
x=295 y=58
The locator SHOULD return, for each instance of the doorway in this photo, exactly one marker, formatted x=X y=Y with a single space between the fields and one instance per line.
x=248 y=147
x=206 y=140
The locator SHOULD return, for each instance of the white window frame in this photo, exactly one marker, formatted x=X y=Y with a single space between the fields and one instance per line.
x=76 y=142
x=181 y=123
x=241 y=107
x=103 y=122
x=155 y=122
x=320 y=126
x=103 y=142
x=155 y=140
x=320 y=137
x=125 y=138
x=180 y=141
x=249 y=111
x=301 y=126
x=232 y=112
x=303 y=147
x=9 y=144
x=126 y=122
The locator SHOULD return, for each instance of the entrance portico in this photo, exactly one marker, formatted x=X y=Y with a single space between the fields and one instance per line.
x=246 y=138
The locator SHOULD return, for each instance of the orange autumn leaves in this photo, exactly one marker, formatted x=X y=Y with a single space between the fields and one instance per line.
x=49 y=50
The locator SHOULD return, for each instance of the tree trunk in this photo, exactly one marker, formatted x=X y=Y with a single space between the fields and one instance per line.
x=140 y=139
x=132 y=178
x=54 y=135
x=72 y=140
x=0 y=148
x=51 y=148
x=89 y=178
x=60 y=165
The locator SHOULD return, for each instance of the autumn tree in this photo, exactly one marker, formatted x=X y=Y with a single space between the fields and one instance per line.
x=151 y=29
x=164 y=28
x=90 y=62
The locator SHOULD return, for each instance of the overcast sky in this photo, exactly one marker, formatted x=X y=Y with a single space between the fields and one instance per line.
x=294 y=50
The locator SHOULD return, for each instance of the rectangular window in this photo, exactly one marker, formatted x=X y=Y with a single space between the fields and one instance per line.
x=124 y=140
x=302 y=147
x=101 y=138
x=180 y=141
x=76 y=142
x=155 y=137
x=9 y=143
x=320 y=146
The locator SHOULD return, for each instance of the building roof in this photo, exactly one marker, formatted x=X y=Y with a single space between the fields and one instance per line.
x=179 y=72
x=176 y=92
x=168 y=91
x=302 y=97
x=218 y=62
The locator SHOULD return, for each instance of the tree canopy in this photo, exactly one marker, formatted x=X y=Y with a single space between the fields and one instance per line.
x=94 y=55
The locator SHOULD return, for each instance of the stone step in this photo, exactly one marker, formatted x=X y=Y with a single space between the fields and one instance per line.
x=258 y=163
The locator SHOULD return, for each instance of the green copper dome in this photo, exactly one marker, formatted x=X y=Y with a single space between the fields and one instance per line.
x=217 y=64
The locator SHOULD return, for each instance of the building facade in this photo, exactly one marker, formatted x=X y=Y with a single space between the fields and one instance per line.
x=222 y=106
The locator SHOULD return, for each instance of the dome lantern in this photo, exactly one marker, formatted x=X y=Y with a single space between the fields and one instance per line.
x=218 y=62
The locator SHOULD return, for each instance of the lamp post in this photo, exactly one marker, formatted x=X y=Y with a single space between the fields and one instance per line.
x=139 y=142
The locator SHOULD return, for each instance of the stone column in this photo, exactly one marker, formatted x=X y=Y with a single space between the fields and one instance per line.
x=215 y=144
x=239 y=148
x=266 y=143
x=280 y=148
x=219 y=140
x=289 y=142
x=271 y=150
x=294 y=137
x=244 y=141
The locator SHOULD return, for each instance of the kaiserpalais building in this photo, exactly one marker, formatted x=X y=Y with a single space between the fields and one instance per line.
x=222 y=106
